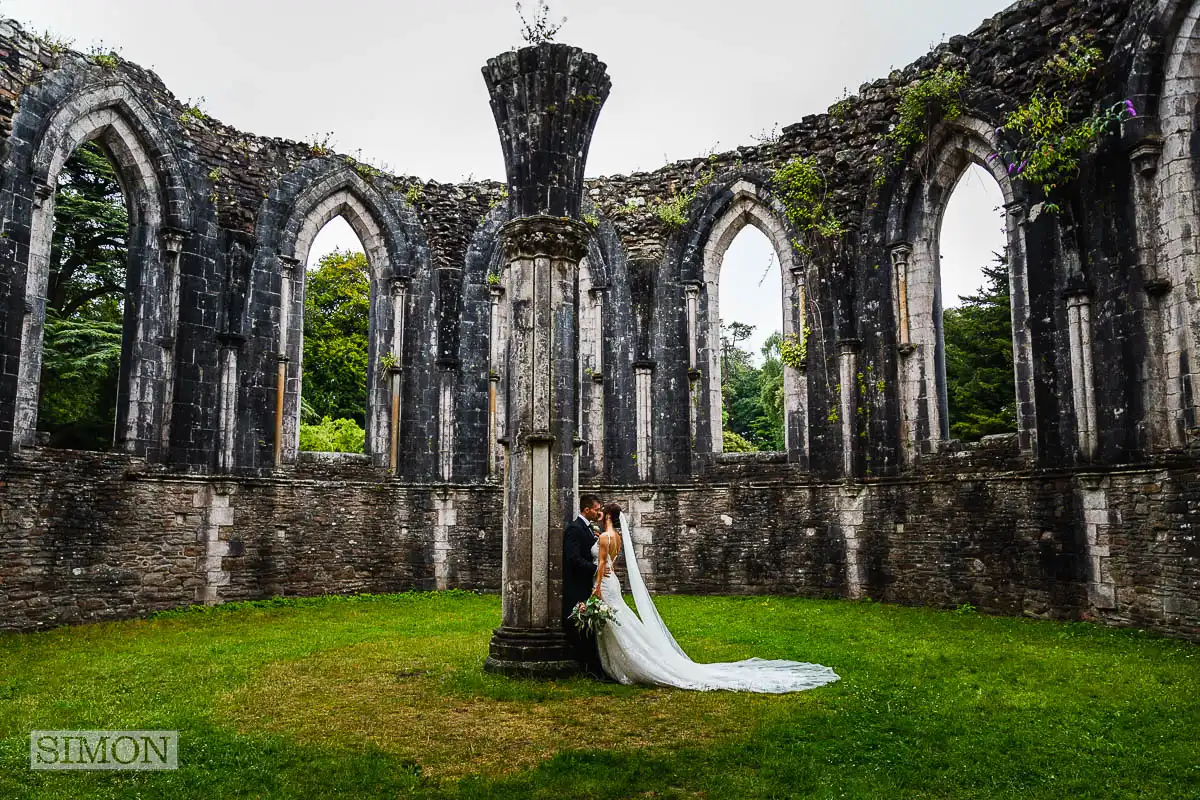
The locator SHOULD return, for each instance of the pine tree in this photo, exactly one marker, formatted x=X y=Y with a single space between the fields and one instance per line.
x=979 y=359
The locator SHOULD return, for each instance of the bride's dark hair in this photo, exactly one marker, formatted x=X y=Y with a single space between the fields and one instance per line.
x=613 y=510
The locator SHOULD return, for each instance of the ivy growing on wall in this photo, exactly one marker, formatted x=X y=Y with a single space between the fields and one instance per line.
x=802 y=189
x=793 y=350
x=1050 y=137
x=935 y=97
x=673 y=212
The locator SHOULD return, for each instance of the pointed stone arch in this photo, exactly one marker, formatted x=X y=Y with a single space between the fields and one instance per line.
x=342 y=193
x=914 y=232
x=1169 y=222
x=743 y=202
x=386 y=233
x=115 y=117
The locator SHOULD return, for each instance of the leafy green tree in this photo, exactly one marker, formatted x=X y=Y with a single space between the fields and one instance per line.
x=90 y=248
x=752 y=396
x=333 y=436
x=81 y=354
x=979 y=359
x=336 y=314
x=769 y=426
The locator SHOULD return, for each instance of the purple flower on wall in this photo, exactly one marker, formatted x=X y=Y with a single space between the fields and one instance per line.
x=1130 y=109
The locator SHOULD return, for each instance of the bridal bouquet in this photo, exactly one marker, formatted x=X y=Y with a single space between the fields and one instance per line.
x=593 y=615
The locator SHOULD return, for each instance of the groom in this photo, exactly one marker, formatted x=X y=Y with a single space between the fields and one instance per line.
x=579 y=576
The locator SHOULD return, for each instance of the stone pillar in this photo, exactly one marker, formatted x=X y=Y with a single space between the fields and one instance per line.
x=1156 y=430
x=495 y=358
x=901 y=254
x=909 y=369
x=395 y=369
x=591 y=404
x=643 y=373
x=227 y=401
x=691 y=291
x=1079 y=322
x=173 y=248
x=1016 y=221
x=289 y=268
x=848 y=362
x=449 y=372
x=546 y=100
x=542 y=255
x=795 y=383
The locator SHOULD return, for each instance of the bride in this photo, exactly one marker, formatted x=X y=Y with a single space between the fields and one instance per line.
x=642 y=650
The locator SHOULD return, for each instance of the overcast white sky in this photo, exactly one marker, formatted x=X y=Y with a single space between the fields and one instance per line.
x=401 y=82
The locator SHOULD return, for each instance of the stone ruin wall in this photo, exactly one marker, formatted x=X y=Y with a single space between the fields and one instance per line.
x=1088 y=512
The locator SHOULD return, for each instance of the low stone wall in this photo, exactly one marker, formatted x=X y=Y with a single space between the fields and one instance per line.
x=92 y=536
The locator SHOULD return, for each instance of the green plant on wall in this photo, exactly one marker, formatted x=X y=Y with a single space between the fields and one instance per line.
x=673 y=212
x=933 y=98
x=1051 y=137
x=193 y=113
x=793 y=350
x=413 y=194
x=802 y=189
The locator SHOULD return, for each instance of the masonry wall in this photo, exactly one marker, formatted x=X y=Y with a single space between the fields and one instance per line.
x=97 y=537
x=87 y=537
x=1088 y=512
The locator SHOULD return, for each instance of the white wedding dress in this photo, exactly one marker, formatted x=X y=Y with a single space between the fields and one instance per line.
x=641 y=650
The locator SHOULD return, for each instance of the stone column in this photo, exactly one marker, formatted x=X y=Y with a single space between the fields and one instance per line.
x=1155 y=426
x=848 y=361
x=909 y=369
x=495 y=357
x=1079 y=323
x=1016 y=221
x=591 y=405
x=643 y=374
x=546 y=100
x=542 y=255
x=172 y=241
x=289 y=268
x=795 y=383
x=901 y=254
x=395 y=369
x=691 y=291
x=227 y=400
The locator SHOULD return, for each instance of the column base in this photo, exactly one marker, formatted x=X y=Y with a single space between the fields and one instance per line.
x=530 y=653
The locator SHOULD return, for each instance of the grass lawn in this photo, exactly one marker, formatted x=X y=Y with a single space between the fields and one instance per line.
x=384 y=696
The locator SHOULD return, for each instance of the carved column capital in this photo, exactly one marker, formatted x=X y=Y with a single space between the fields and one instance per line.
x=1015 y=212
x=288 y=265
x=1145 y=156
x=399 y=286
x=545 y=236
x=41 y=193
x=901 y=253
x=173 y=239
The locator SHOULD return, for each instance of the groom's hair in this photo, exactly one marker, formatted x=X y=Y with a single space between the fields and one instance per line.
x=587 y=501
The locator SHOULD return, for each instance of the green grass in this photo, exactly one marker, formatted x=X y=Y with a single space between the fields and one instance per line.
x=384 y=697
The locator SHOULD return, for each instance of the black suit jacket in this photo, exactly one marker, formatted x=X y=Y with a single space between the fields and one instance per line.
x=579 y=570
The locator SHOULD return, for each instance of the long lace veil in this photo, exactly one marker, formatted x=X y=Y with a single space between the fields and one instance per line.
x=641 y=596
